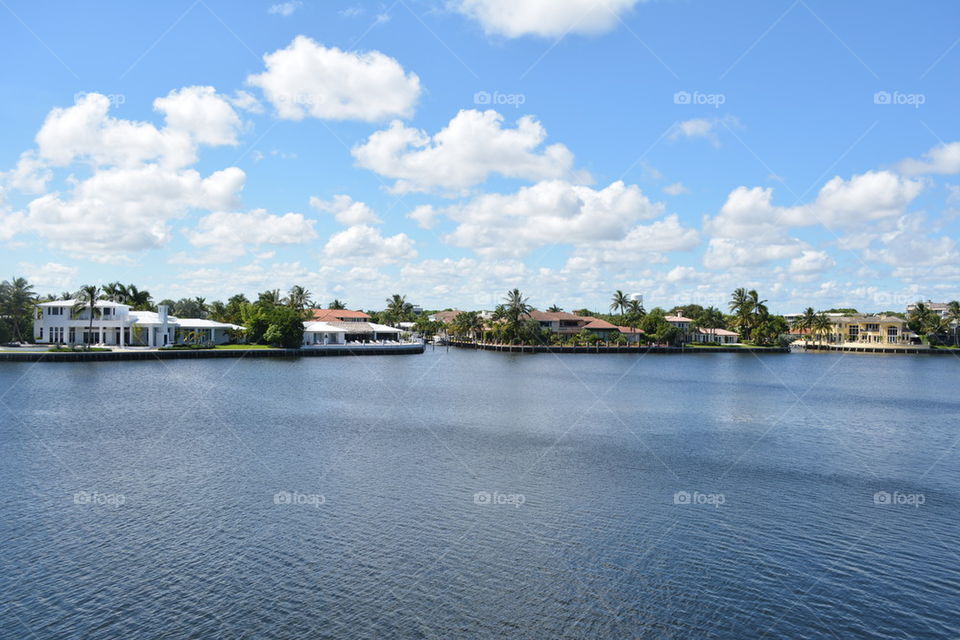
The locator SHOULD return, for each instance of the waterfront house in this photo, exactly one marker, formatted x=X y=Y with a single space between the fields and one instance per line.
x=115 y=324
x=340 y=315
x=867 y=330
x=715 y=336
x=321 y=333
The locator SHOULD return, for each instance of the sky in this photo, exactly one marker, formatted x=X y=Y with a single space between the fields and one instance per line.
x=450 y=150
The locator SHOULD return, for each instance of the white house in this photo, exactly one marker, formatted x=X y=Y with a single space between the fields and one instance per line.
x=319 y=333
x=716 y=336
x=116 y=324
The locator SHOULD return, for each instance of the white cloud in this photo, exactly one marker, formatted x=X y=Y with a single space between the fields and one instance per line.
x=51 y=276
x=811 y=262
x=285 y=9
x=724 y=253
x=363 y=244
x=875 y=195
x=549 y=212
x=31 y=174
x=944 y=158
x=346 y=210
x=675 y=189
x=228 y=234
x=705 y=128
x=86 y=132
x=545 y=18
x=199 y=112
x=308 y=79
x=122 y=210
x=465 y=153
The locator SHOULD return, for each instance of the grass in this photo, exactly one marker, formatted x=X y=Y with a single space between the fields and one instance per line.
x=244 y=346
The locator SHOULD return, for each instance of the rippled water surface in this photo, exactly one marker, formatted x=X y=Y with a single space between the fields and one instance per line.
x=463 y=494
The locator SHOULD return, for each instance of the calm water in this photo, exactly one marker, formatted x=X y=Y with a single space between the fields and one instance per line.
x=468 y=494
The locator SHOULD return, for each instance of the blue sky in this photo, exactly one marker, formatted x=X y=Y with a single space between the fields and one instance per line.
x=452 y=150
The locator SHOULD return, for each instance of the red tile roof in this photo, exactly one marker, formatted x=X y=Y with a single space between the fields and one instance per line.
x=629 y=330
x=597 y=323
x=327 y=315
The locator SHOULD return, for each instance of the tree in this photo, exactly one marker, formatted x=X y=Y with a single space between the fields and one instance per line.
x=921 y=319
x=16 y=305
x=270 y=298
x=821 y=326
x=806 y=322
x=953 y=315
x=749 y=310
x=284 y=328
x=139 y=300
x=711 y=318
x=87 y=300
x=619 y=302
x=336 y=304
x=299 y=298
x=554 y=309
x=398 y=309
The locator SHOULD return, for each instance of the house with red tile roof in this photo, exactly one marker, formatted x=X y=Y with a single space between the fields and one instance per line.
x=339 y=315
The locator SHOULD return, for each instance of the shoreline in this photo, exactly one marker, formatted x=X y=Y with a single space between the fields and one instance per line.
x=507 y=348
x=176 y=354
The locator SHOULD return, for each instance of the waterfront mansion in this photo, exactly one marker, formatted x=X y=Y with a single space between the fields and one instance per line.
x=115 y=324
x=864 y=330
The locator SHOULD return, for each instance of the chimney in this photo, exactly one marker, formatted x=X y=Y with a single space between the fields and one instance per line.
x=162 y=312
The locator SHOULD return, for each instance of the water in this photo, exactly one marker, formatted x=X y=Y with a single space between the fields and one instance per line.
x=468 y=494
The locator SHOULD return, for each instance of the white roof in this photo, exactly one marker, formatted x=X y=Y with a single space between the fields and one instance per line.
x=717 y=332
x=322 y=327
x=101 y=304
x=382 y=328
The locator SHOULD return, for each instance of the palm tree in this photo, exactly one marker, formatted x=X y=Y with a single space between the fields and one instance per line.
x=921 y=318
x=635 y=308
x=953 y=315
x=299 y=298
x=711 y=318
x=398 y=309
x=115 y=292
x=740 y=308
x=555 y=309
x=16 y=302
x=821 y=325
x=336 y=304
x=87 y=299
x=620 y=301
x=139 y=300
x=515 y=311
x=806 y=322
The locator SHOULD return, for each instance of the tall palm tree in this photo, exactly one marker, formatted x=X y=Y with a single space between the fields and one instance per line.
x=619 y=301
x=953 y=315
x=821 y=326
x=740 y=308
x=635 y=307
x=87 y=299
x=115 y=292
x=398 y=309
x=554 y=309
x=299 y=298
x=269 y=298
x=806 y=322
x=712 y=319
x=921 y=318
x=336 y=304
x=16 y=302
x=139 y=300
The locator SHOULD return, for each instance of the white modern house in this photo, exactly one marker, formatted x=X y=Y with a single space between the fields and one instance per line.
x=321 y=333
x=715 y=336
x=115 y=324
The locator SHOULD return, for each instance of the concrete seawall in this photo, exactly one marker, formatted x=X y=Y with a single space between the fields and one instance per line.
x=109 y=356
x=510 y=348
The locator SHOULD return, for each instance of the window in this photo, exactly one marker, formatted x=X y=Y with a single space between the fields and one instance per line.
x=872 y=328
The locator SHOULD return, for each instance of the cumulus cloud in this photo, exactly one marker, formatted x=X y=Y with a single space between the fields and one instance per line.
x=228 y=235
x=544 y=18
x=346 y=210
x=285 y=9
x=309 y=79
x=365 y=244
x=705 y=128
x=549 y=212
x=724 y=253
x=472 y=147
x=944 y=159
x=50 y=276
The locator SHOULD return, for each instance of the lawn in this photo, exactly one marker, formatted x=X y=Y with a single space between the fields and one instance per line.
x=244 y=346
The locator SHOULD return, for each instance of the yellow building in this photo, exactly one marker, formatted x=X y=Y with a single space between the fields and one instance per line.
x=862 y=330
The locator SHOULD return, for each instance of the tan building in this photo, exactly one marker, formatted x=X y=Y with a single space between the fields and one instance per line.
x=863 y=330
